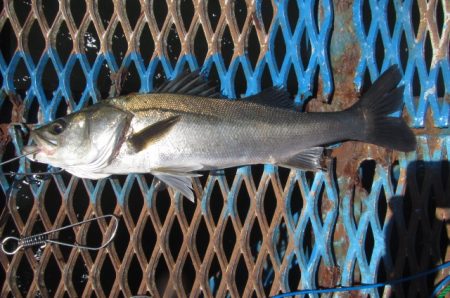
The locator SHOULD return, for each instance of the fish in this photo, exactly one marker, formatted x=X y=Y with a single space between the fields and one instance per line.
x=185 y=126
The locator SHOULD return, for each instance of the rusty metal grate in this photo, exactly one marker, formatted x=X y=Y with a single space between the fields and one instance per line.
x=254 y=231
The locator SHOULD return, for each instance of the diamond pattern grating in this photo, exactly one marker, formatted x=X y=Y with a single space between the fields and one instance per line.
x=254 y=231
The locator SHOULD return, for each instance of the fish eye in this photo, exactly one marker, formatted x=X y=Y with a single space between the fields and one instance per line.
x=57 y=127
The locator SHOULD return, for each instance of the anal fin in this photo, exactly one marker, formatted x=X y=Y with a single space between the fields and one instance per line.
x=311 y=159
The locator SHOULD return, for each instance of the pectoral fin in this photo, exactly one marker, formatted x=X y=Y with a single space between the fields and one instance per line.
x=310 y=160
x=179 y=181
x=152 y=133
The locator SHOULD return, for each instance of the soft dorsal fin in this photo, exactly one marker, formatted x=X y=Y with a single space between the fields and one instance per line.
x=141 y=139
x=190 y=83
x=272 y=97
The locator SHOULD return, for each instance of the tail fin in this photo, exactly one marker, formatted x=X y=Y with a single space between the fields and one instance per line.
x=382 y=99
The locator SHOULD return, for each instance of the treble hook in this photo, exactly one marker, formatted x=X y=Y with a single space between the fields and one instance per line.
x=44 y=238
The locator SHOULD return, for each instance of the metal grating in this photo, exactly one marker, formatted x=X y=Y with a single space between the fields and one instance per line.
x=254 y=231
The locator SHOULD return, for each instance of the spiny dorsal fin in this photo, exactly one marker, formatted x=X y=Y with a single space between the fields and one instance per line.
x=152 y=133
x=272 y=97
x=190 y=83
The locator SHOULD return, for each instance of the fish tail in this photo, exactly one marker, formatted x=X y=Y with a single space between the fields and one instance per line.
x=374 y=109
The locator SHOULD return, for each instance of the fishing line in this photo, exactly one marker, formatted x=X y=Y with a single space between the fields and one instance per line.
x=18 y=157
x=373 y=286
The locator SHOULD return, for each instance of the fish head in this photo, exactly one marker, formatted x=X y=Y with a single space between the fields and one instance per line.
x=81 y=142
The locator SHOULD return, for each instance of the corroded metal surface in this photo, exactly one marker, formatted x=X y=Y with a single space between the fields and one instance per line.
x=258 y=231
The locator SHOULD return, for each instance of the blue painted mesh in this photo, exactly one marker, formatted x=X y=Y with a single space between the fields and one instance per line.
x=257 y=230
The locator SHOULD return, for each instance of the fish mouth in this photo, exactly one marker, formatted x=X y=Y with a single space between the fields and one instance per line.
x=42 y=144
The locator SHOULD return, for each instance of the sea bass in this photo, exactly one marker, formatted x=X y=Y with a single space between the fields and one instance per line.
x=185 y=127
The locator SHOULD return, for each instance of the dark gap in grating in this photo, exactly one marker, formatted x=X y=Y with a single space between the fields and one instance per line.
x=241 y=276
x=21 y=9
x=187 y=9
x=369 y=243
x=292 y=82
x=294 y=275
x=440 y=17
x=266 y=78
x=24 y=276
x=50 y=80
x=200 y=46
x=415 y=16
x=104 y=80
x=253 y=49
x=228 y=239
x=391 y=16
x=283 y=174
x=257 y=173
x=404 y=51
x=12 y=166
x=202 y=238
x=52 y=200
x=240 y=12
x=266 y=13
x=175 y=239
x=366 y=15
x=146 y=45
x=52 y=276
x=94 y=237
x=188 y=210
x=161 y=275
x=119 y=44
x=367 y=173
x=61 y=109
x=440 y=86
x=78 y=10
x=256 y=239
x=214 y=276
x=159 y=77
x=308 y=240
x=106 y=11
x=227 y=47
x=133 y=9
x=367 y=81
x=214 y=11
x=6 y=108
x=420 y=171
x=163 y=202
x=132 y=82
x=216 y=202
x=279 y=48
x=24 y=199
x=379 y=51
x=296 y=202
x=213 y=76
x=316 y=17
x=160 y=12
x=173 y=45
x=107 y=199
x=381 y=275
x=270 y=203
x=240 y=82
x=243 y=202
x=64 y=42
x=282 y=239
x=50 y=11
x=69 y=237
x=107 y=275
x=134 y=276
x=77 y=82
x=22 y=79
x=148 y=239
x=122 y=239
x=80 y=200
x=229 y=173
x=80 y=276
x=395 y=174
x=416 y=83
x=428 y=51
x=268 y=276
x=91 y=43
x=356 y=276
x=188 y=275
x=10 y=41
x=293 y=14
x=382 y=207
x=305 y=49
